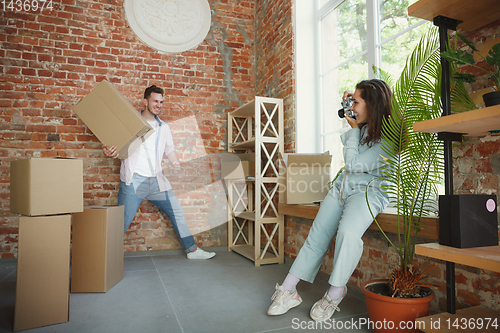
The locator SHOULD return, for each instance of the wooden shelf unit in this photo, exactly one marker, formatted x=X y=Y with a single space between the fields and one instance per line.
x=473 y=123
x=249 y=144
x=473 y=14
x=487 y=257
x=256 y=228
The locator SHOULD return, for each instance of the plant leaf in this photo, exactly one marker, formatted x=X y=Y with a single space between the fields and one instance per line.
x=459 y=56
x=467 y=42
x=469 y=78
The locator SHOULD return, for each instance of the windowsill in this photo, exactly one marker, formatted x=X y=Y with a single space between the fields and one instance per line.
x=429 y=226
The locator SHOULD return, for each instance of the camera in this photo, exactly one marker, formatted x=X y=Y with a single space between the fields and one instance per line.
x=346 y=109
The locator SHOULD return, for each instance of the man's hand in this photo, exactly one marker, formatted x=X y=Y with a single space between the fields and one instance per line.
x=170 y=168
x=111 y=152
x=177 y=167
x=174 y=162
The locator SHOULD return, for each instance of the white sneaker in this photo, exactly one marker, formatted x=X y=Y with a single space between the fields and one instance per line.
x=324 y=308
x=283 y=300
x=200 y=254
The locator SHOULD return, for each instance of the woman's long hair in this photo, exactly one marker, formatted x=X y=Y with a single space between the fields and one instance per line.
x=377 y=96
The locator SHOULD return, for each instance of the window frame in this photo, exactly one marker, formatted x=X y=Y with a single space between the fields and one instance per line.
x=310 y=73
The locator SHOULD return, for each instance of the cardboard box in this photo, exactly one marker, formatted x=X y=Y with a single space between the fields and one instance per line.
x=237 y=166
x=45 y=186
x=42 y=290
x=113 y=120
x=97 y=252
x=307 y=176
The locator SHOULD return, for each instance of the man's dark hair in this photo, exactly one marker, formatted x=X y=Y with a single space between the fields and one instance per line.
x=152 y=89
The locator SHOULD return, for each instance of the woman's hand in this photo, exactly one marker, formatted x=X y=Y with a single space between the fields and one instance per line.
x=347 y=94
x=352 y=122
x=111 y=152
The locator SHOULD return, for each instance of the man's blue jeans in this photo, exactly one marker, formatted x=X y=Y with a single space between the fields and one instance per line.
x=147 y=188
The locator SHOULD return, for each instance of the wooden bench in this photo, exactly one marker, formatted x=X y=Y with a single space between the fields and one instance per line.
x=429 y=226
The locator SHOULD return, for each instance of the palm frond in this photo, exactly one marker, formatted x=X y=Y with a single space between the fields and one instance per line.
x=460 y=98
x=415 y=166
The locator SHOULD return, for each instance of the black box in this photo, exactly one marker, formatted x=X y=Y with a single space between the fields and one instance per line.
x=468 y=220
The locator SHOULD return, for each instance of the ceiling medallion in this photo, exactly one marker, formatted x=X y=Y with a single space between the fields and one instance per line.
x=171 y=26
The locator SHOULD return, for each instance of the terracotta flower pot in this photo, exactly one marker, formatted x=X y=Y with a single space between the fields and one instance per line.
x=389 y=314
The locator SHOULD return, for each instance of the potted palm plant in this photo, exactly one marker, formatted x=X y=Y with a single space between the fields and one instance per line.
x=460 y=57
x=413 y=170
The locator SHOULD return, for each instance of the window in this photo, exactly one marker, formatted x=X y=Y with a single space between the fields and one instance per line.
x=351 y=36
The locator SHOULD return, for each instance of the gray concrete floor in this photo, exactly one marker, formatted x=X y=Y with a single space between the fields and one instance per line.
x=165 y=292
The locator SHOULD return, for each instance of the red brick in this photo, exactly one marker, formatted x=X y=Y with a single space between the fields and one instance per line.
x=483 y=165
x=489 y=182
x=469 y=298
x=488 y=148
x=460 y=278
x=41 y=128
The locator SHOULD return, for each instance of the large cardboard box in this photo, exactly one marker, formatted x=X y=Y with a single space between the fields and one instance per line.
x=237 y=166
x=46 y=186
x=97 y=252
x=113 y=120
x=42 y=290
x=307 y=176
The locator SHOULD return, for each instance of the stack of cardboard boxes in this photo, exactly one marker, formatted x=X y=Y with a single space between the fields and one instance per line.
x=45 y=191
x=48 y=192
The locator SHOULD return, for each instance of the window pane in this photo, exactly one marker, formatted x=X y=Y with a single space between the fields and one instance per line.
x=343 y=33
x=394 y=17
x=331 y=103
x=395 y=52
x=333 y=141
x=331 y=121
x=333 y=86
x=321 y=3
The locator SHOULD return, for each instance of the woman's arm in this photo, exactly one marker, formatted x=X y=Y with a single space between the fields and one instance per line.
x=370 y=159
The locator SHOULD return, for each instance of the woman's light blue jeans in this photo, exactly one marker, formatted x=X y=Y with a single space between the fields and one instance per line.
x=348 y=217
x=147 y=188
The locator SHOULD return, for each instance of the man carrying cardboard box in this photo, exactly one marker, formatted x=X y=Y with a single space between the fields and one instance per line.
x=141 y=175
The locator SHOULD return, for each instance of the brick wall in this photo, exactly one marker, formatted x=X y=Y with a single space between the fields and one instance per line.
x=275 y=59
x=50 y=60
x=275 y=67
